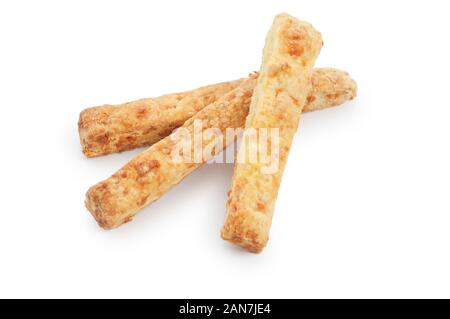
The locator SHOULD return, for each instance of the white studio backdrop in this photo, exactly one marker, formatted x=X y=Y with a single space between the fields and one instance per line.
x=363 y=209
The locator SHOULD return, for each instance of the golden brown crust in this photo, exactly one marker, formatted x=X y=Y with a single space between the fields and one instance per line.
x=330 y=87
x=278 y=100
x=116 y=128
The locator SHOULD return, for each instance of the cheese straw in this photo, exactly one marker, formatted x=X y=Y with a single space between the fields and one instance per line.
x=280 y=95
x=152 y=173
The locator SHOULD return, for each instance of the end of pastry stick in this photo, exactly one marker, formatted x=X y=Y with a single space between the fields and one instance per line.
x=91 y=139
x=245 y=232
x=279 y=97
x=330 y=87
x=106 y=217
x=83 y=123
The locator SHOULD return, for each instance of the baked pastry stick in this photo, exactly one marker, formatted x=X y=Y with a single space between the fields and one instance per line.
x=152 y=173
x=115 y=128
x=280 y=94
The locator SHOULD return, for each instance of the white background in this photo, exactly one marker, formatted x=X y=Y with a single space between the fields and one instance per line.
x=363 y=210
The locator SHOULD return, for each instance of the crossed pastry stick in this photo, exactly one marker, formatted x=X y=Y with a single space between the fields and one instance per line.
x=275 y=97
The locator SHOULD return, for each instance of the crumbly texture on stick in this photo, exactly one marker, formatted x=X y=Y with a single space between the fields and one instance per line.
x=149 y=175
x=330 y=87
x=278 y=100
x=116 y=128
